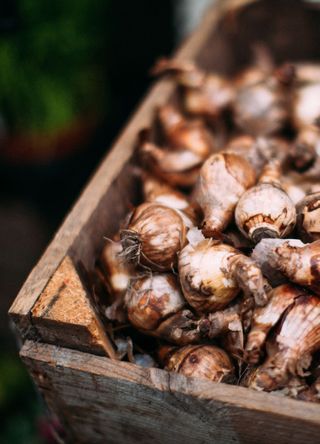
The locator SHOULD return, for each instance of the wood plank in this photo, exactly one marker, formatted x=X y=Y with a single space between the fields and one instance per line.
x=84 y=214
x=105 y=401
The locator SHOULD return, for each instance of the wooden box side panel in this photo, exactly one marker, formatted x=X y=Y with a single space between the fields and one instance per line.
x=105 y=401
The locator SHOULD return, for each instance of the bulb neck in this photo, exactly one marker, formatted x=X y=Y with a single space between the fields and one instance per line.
x=271 y=173
x=213 y=227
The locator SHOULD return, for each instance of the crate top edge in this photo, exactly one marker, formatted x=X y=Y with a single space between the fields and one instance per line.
x=162 y=380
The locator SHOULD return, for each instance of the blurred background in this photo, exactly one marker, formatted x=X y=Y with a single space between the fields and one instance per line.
x=71 y=72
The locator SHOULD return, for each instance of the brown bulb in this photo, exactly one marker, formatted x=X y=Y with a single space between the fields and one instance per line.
x=264 y=318
x=221 y=322
x=308 y=217
x=297 y=340
x=312 y=393
x=224 y=177
x=226 y=324
x=156 y=307
x=294 y=190
x=298 y=262
x=303 y=152
x=177 y=167
x=260 y=106
x=306 y=73
x=154 y=236
x=204 y=283
x=185 y=134
x=266 y=210
x=253 y=150
x=295 y=387
x=160 y=192
x=156 y=191
x=204 y=94
x=212 y=274
x=203 y=362
x=117 y=271
x=306 y=104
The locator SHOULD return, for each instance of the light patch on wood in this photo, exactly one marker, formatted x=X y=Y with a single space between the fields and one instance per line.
x=64 y=301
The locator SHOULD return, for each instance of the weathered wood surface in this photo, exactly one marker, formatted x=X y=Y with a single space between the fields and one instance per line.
x=63 y=314
x=106 y=401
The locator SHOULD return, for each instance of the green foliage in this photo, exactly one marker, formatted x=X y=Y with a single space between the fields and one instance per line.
x=12 y=378
x=52 y=66
x=19 y=407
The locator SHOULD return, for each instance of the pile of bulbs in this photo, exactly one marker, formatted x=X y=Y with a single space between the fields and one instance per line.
x=221 y=261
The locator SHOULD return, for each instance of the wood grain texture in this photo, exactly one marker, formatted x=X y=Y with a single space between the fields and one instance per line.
x=105 y=401
x=63 y=314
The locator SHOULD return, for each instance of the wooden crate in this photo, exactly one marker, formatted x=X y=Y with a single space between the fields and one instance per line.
x=64 y=347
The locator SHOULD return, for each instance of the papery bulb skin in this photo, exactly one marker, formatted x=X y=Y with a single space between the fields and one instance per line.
x=266 y=210
x=156 y=307
x=295 y=387
x=308 y=217
x=157 y=191
x=298 y=262
x=304 y=157
x=160 y=192
x=212 y=274
x=154 y=236
x=185 y=134
x=177 y=168
x=117 y=271
x=164 y=353
x=224 y=177
x=307 y=73
x=203 y=362
x=186 y=72
x=226 y=324
x=305 y=148
x=312 y=393
x=151 y=299
x=297 y=340
x=306 y=105
x=250 y=279
x=264 y=318
x=247 y=378
x=221 y=322
x=264 y=255
x=295 y=192
x=204 y=94
x=232 y=236
x=257 y=151
x=260 y=106
x=203 y=281
x=210 y=99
